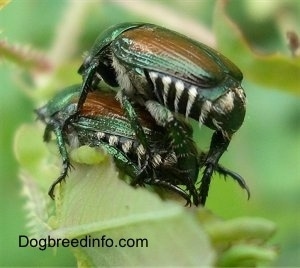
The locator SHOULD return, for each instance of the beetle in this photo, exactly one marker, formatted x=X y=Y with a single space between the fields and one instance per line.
x=158 y=68
x=101 y=123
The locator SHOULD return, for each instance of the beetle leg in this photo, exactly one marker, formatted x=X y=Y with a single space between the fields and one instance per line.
x=182 y=144
x=121 y=160
x=186 y=154
x=226 y=172
x=137 y=128
x=172 y=187
x=218 y=146
x=89 y=79
x=66 y=166
x=64 y=154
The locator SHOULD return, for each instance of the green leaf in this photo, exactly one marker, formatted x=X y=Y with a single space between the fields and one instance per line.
x=246 y=228
x=272 y=70
x=94 y=203
x=247 y=256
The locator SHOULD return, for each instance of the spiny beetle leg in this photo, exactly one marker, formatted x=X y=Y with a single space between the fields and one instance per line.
x=187 y=156
x=121 y=160
x=141 y=177
x=218 y=146
x=137 y=128
x=180 y=136
x=173 y=188
x=62 y=177
x=65 y=158
x=205 y=182
x=226 y=172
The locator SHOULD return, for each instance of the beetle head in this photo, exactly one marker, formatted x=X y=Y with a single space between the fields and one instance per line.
x=98 y=62
x=59 y=102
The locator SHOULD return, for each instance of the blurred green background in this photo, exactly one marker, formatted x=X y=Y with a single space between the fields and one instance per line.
x=266 y=151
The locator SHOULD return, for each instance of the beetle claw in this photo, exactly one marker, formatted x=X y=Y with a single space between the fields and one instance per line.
x=66 y=167
x=235 y=176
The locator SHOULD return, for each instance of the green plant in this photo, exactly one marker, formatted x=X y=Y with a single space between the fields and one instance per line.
x=146 y=213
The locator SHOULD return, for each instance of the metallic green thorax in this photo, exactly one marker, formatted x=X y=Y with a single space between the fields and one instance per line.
x=107 y=36
x=61 y=100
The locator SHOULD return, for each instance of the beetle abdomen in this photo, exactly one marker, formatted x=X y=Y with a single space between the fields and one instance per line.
x=202 y=104
x=95 y=137
x=129 y=145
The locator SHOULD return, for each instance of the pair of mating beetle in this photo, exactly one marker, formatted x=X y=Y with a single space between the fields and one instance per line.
x=162 y=77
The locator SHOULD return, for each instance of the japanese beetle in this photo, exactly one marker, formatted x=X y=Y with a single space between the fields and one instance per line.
x=158 y=68
x=101 y=123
